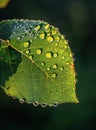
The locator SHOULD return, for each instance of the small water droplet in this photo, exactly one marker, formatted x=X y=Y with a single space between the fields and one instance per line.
x=21 y=100
x=43 y=63
x=50 y=39
x=31 y=57
x=65 y=46
x=54 y=31
x=43 y=104
x=67 y=63
x=55 y=66
x=49 y=55
x=55 y=104
x=26 y=44
x=39 y=51
x=46 y=26
x=35 y=103
x=56 y=44
x=27 y=51
x=42 y=36
x=18 y=38
x=63 y=57
x=37 y=27
x=62 y=68
x=53 y=75
x=55 y=54
x=71 y=55
x=57 y=39
x=49 y=68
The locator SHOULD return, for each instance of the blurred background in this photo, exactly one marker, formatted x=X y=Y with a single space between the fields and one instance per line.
x=77 y=20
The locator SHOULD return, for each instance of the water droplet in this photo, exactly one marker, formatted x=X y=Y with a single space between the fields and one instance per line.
x=27 y=51
x=49 y=55
x=39 y=51
x=46 y=26
x=21 y=100
x=43 y=63
x=55 y=66
x=65 y=46
x=54 y=31
x=67 y=63
x=43 y=104
x=50 y=39
x=57 y=39
x=31 y=57
x=35 y=103
x=63 y=57
x=49 y=68
x=37 y=27
x=53 y=75
x=55 y=104
x=26 y=44
x=42 y=36
x=18 y=38
x=55 y=54
x=56 y=44
x=71 y=55
x=62 y=68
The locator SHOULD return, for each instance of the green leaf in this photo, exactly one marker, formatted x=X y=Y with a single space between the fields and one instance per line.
x=36 y=63
x=3 y=3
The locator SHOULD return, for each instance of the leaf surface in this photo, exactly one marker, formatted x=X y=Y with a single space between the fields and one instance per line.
x=36 y=63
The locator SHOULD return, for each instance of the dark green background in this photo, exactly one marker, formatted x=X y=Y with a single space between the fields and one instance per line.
x=77 y=20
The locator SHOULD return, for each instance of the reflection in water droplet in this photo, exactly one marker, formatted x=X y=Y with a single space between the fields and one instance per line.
x=55 y=66
x=27 y=51
x=49 y=55
x=42 y=36
x=53 y=75
x=57 y=39
x=55 y=54
x=21 y=100
x=55 y=104
x=37 y=28
x=35 y=103
x=39 y=51
x=43 y=104
x=46 y=26
x=26 y=44
x=50 y=39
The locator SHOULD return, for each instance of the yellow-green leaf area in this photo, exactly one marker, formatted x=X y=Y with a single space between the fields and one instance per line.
x=39 y=62
x=3 y=3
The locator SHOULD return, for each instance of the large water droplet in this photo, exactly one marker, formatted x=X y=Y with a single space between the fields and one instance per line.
x=21 y=100
x=49 y=55
x=55 y=104
x=37 y=27
x=50 y=39
x=26 y=44
x=55 y=66
x=53 y=75
x=39 y=51
x=42 y=36
x=35 y=103
x=54 y=31
x=43 y=104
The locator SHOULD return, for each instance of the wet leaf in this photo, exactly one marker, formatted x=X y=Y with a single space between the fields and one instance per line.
x=36 y=63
